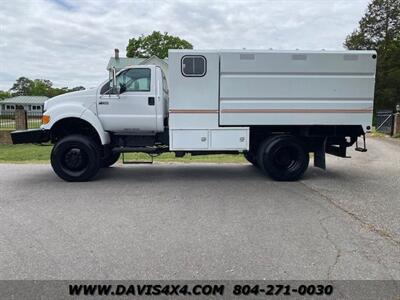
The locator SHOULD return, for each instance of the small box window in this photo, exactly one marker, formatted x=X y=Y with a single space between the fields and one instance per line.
x=194 y=66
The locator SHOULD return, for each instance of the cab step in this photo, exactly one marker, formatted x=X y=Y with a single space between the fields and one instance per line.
x=136 y=162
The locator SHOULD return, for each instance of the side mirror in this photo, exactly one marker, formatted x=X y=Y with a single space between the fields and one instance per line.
x=115 y=87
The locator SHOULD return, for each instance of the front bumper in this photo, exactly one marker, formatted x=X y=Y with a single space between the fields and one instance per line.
x=34 y=136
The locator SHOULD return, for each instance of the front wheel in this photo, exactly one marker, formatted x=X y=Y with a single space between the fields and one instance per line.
x=75 y=158
x=110 y=159
x=283 y=157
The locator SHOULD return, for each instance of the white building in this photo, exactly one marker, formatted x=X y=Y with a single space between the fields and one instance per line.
x=31 y=104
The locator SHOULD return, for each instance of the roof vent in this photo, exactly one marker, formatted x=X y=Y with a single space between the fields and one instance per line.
x=247 y=56
x=299 y=57
x=350 y=57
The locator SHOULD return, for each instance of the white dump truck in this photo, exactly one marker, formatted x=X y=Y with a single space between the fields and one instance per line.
x=275 y=107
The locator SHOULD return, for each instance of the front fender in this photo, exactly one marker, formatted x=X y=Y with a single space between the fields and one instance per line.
x=64 y=111
x=92 y=119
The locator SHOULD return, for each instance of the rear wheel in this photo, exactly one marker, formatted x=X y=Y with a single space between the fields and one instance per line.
x=75 y=158
x=284 y=158
x=110 y=159
x=251 y=158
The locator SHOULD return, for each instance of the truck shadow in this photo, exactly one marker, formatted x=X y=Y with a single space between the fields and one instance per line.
x=205 y=172
x=181 y=172
x=314 y=173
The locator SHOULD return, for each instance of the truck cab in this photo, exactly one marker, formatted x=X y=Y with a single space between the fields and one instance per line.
x=90 y=128
x=138 y=105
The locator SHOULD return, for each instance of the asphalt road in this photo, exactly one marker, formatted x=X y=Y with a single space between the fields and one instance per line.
x=180 y=221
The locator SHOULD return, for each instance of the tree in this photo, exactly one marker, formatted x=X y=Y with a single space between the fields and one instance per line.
x=4 y=95
x=59 y=91
x=77 y=88
x=155 y=44
x=21 y=87
x=379 y=30
x=38 y=87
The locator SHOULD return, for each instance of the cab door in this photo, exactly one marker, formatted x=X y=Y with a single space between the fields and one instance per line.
x=133 y=110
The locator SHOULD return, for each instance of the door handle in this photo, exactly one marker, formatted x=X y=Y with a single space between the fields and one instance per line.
x=151 y=100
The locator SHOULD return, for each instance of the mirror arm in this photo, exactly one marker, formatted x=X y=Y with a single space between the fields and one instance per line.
x=114 y=82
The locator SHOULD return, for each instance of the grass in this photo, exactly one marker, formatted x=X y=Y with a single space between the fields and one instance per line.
x=7 y=124
x=375 y=133
x=378 y=134
x=41 y=154
x=24 y=153
x=7 y=128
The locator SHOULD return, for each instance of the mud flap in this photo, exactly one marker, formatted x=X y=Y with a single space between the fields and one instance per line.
x=319 y=155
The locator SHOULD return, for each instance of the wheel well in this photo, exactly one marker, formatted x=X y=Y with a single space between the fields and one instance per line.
x=69 y=126
x=311 y=135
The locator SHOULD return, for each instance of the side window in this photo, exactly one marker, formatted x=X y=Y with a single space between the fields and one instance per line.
x=193 y=66
x=131 y=80
x=105 y=88
x=135 y=80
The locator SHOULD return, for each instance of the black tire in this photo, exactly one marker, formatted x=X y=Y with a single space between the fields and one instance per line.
x=75 y=158
x=283 y=157
x=109 y=160
x=251 y=158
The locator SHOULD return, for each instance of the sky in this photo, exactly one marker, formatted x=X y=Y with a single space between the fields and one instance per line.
x=70 y=41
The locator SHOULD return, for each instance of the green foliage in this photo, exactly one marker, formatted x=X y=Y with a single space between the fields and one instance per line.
x=4 y=95
x=155 y=44
x=39 y=87
x=24 y=153
x=379 y=30
x=21 y=87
